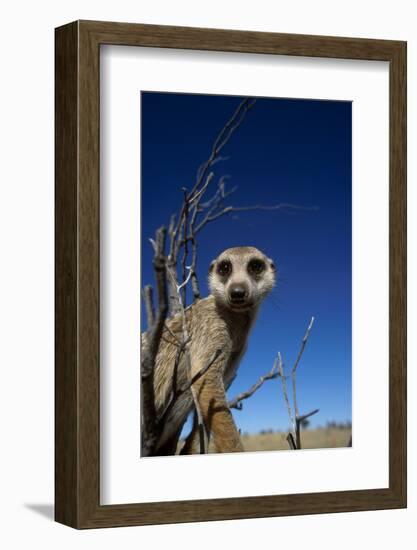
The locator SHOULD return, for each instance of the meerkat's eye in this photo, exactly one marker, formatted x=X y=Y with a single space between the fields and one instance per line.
x=224 y=268
x=256 y=267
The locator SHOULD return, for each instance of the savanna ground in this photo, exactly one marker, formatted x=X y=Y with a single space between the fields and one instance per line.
x=319 y=438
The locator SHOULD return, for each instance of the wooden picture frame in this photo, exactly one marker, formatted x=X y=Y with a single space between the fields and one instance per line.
x=77 y=374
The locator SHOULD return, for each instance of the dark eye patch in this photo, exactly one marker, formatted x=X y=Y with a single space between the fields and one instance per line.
x=255 y=267
x=224 y=268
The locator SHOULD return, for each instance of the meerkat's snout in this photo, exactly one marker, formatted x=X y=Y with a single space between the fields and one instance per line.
x=241 y=277
x=238 y=294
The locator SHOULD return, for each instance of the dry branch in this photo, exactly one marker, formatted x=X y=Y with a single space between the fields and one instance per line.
x=223 y=137
x=284 y=390
x=236 y=403
x=277 y=371
x=294 y=439
x=149 y=423
x=293 y=372
x=148 y=299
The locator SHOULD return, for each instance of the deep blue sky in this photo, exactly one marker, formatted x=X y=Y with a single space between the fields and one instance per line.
x=286 y=151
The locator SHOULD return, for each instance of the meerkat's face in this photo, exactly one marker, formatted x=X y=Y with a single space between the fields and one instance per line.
x=241 y=277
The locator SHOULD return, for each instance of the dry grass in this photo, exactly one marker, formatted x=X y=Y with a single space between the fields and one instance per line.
x=322 y=438
x=310 y=439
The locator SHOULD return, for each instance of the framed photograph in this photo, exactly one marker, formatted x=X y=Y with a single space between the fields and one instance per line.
x=230 y=274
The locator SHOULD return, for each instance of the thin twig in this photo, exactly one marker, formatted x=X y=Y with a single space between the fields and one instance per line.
x=293 y=372
x=223 y=137
x=185 y=281
x=298 y=422
x=236 y=402
x=194 y=281
x=182 y=286
x=305 y=416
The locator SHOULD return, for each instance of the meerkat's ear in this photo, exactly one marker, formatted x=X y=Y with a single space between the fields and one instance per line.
x=213 y=263
x=272 y=265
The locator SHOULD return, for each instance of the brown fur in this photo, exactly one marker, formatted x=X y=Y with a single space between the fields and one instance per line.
x=214 y=323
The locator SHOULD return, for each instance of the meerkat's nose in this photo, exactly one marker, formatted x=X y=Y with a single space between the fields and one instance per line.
x=238 y=293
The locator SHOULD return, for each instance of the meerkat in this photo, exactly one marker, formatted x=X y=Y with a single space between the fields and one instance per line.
x=239 y=279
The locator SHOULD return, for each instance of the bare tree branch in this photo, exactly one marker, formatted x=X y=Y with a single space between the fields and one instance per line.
x=305 y=416
x=148 y=299
x=223 y=137
x=284 y=390
x=194 y=281
x=182 y=287
x=149 y=424
x=293 y=372
x=294 y=439
x=236 y=403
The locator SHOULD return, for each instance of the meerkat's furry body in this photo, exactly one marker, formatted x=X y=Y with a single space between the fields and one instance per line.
x=239 y=279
